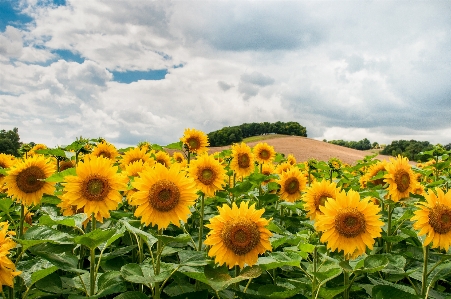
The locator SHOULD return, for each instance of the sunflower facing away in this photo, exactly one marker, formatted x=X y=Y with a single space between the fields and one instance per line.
x=95 y=188
x=264 y=153
x=195 y=140
x=66 y=164
x=316 y=196
x=208 y=174
x=238 y=235
x=242 y=162
x=400 y=177
x=349 y=224
x=105 y=149
x=433 y=219
x=25 y=180
x=164 y=195
x=7 y=267
x=134 y=154
x=291 y=182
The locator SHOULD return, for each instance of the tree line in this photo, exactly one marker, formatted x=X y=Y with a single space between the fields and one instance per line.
x=229 y=135
x=362 y=145
x=10 y=142
x=408 y=148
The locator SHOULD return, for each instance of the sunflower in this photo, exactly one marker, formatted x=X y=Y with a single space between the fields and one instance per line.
x=66 y=164
x=335 y=163
x=400 y=177
x=316 y=195
x=243 y=160
x=268 y=169
x=163 y=158
x=164 y=196
x=133 y=170
x=208 y=174
x=196 y=141
x=178 y=157
x=263 y=152
x=238 y=235
x=291 y=159
x=372 y=171
x=133 y=155
x=282 y=167
x=349 y=224
x=25 y=180
x=7 y=267
x=95 y=188
x=33 y=150
x=291 y=182
x=105 y=149
x=6 y=161
x=433 y=219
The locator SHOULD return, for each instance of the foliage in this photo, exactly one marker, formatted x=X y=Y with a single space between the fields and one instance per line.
x=229 y=135
x=10 y=142
x=409 y=149
x=362 y=145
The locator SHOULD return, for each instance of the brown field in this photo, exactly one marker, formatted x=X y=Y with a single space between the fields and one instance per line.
x=305 y=148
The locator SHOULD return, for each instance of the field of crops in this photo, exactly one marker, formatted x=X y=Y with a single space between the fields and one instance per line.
x=91 y=221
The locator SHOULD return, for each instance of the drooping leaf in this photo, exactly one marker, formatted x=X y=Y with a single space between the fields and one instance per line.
x=95 y=238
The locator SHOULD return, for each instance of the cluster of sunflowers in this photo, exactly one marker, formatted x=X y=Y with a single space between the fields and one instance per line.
x=351 y=209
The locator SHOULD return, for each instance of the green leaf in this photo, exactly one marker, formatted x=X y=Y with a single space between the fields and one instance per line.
x=95 y=238
x=5 y=204
x=331 y=292
x=143 y=273
x=374 y=263
x=50 y=199
x=182 y=238
x=42 y=234
x=117 y=234
x=64 y=261
x=306 y=247
x=325 y=276
x=132 y=295
x=51 y=283
x=3 y=171
x=193 y=295
x=58 y=177
x=148 y=238
x=385 y=291
x=118 y=252
x=35 y=270
x=111 y=283
x=193 y=258
x=56 y=152
x=241 y=188
x=279 y=259
x=175 y=146
x=71 y=221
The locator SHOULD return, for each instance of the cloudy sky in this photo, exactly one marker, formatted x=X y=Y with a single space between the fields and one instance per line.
x=138 y=70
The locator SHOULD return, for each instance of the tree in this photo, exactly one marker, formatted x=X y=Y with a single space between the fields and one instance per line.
x=10 y=142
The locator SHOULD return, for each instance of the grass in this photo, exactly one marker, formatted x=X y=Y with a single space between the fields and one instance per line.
x=263 y=137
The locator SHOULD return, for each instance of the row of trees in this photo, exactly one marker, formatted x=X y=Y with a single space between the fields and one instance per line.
x=10 y=142
x=362 y=145
x=229 y=135
x=408 y=148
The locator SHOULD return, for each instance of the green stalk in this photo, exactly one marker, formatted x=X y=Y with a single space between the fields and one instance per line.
x=157 y=264
x=389 y=232
x=425 y=270
x=315 y=265
x=22 y=218
x=93 y=261
x=201 y=222
x=346 y=282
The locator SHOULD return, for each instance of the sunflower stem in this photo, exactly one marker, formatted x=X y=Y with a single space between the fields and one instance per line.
x=425 y=270
x=389 y=232
x=346 y=284
x=22 y=218
x=93 y=261
x=201 y=221
x=315 y=265
x=157 y=264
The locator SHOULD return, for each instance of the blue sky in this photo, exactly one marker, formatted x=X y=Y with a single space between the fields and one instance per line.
x=131 y=71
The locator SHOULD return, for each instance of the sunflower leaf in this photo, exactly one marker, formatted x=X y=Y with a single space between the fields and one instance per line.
x=71 y=221
x=132 y=295
x=95 y=238
x=386 y=291
x=279 y=259
x=175 y=146
x=59 y=176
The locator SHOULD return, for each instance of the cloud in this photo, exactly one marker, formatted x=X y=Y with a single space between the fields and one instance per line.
x=11 y=42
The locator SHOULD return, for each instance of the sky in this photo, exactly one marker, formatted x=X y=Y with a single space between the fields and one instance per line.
x=132 y=71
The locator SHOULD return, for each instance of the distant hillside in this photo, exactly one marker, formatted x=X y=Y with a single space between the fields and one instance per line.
x=229 y=135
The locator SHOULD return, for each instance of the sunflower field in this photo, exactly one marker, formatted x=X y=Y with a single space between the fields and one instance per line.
x=88 y=220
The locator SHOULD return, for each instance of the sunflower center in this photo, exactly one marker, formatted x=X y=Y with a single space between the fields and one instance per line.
x=440 y=219
x=243 y=160
x=164 y=195
x=104 y=154
x=161 y=161
x=2 y=165
x=206 y=176
x=95 y=188
x=291 y=185
x=321 y=200
x=402 y=180
x=179 y=159
x=264 y=154
x=241 y=236
x=133 y=160
x=350 y=222
x=193 y=143
x=29 y=179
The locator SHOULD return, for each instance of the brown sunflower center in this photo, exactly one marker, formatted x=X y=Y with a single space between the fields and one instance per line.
x=2 y=165
x=65 y=165
x=95 y=188
x=350 y=222
x=193 y=143
x=29 y=179
x=104 y=154
x=179 y=159
x=207 y=176
x=241 y=236
x=321 y=199
x=243 y=160
x=291 y=185
x=164 y=195
x=440 y=219
x=161 y=161
x=264 y=154
x=402 y=180
x=134 y=160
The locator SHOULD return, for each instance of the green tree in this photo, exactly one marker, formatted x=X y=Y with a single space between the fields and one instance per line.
x=10 y=142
